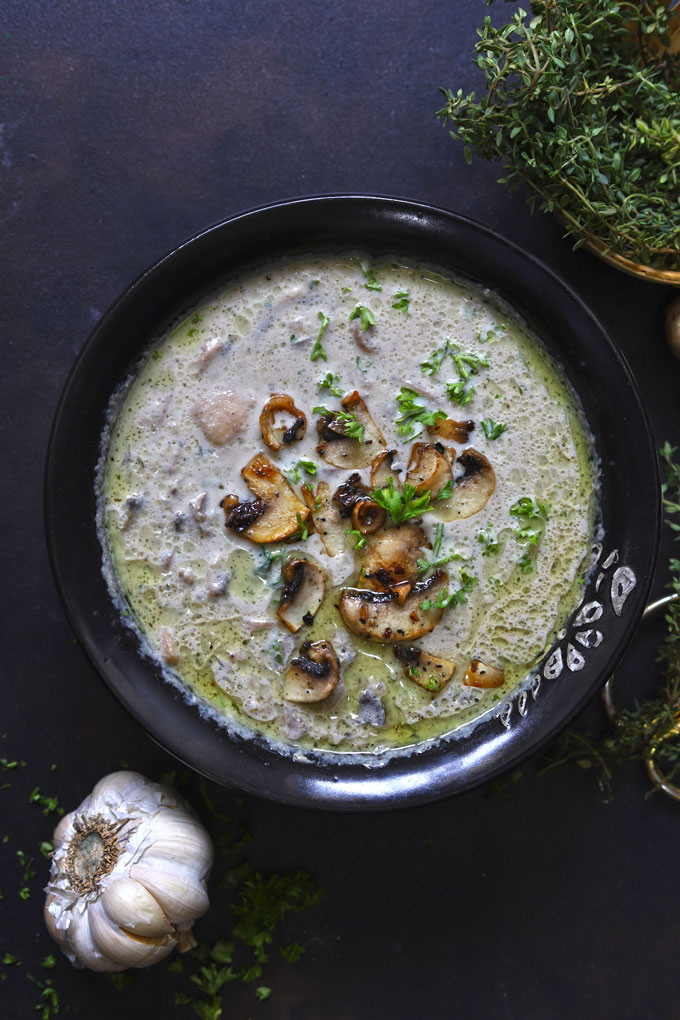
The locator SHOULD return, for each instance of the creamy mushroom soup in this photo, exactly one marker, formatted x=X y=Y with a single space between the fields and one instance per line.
x=347 y=505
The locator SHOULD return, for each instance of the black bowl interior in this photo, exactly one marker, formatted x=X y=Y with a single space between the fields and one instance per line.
x=593 y=640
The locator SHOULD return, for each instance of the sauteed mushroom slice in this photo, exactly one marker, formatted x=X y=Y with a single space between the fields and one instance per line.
x=313 y=675
x=339 y=449
x=449 y=428
x=428 y=468
x=429 y=672
x=326 y=516
x=471 y=489
x=479 y=674
x=391 y=558
x=379 y=616
x=381 y=470
x=275 y=514
x=354 y=500
x=303 y=593
x=276 y=437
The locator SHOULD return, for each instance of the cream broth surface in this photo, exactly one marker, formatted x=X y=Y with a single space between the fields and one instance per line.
x=204 y=597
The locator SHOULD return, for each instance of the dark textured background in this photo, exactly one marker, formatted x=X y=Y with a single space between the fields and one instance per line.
x=125 y=127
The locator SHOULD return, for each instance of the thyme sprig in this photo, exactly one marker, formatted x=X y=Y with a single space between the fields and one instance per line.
x=582 y=107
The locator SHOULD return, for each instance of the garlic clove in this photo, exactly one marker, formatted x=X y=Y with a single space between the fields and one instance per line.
x=122 y=948
x=132 y=907
x=177 y=837
x=180 y=894
x=80 y=945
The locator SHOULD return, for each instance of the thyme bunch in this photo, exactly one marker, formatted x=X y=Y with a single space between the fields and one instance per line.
x=581 y=105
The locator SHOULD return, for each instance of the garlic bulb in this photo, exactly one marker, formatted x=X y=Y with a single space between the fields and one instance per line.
x=128 y=876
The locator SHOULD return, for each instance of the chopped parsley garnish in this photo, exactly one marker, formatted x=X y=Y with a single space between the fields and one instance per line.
x=156 y=355
x=401 y=301
x=438 y=537
x=317 y=350
x=48 y=804
x=488 y=539
x=402 y=506
x=360 y=540
x=365 y=315
x=446 y=492
x=434 y=362
x=467 y=365
x=447 y=600
x=304 y=530
x=331 y=382
x=268 y=560
x=352 y=427
x=411 y=412
x=439 y=561
x=532 y=516
x=371 y=283
x=305 y=465
x=492 y=429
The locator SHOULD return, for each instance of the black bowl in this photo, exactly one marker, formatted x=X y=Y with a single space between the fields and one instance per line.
x=593 y=639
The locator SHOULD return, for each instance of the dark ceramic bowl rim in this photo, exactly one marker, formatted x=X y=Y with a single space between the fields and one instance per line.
x=573 y=672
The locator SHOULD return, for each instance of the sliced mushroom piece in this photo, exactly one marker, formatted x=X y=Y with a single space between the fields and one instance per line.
x=391 y=558
x=276 y=513
x=313 y=675
x=349 y=492
x=340 y=450
x=471 y=489
x=449 y=428
x=382 y=470
x=479 y=674
x=276 y=437
x=303 y=592
x=429 y=672
x=428 y=468
x=378 y=616
x=368 y=516
x=328 y=522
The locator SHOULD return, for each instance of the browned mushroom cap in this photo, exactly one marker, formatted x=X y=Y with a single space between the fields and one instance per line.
x=429 y=672
x=278 y=511
x=276 y=437
x=368 y=516
x=313 y=674
x=478 y=674
x=448 y=428
x=471 y=490
x=328 y=523
x=381 y=470
x=354 y=501
x=340 y=450
x=379 y=616
x=391 y=558
x=428 y=468
x=302 y=594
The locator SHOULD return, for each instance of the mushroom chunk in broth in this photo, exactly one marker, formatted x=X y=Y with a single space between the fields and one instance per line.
x=394 y=486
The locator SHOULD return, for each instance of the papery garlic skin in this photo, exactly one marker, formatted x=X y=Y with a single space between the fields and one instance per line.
x=151 y=860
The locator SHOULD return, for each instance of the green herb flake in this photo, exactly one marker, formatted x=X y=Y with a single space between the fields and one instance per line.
x=434 y=362
x=352 y=427
x=365 y=315
x=318 y=349
x=488 y=539
x=412 y=411
x=263 y=993
x=371 y=283
x=331 y=382
x=492 y=429
x=304 y=530
x=360 y=539
x=402 y=506
x=447 y=490
x=449 y=600
x=401 y=300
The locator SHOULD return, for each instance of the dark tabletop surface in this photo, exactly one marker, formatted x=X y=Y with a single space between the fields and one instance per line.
x=125 y=127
